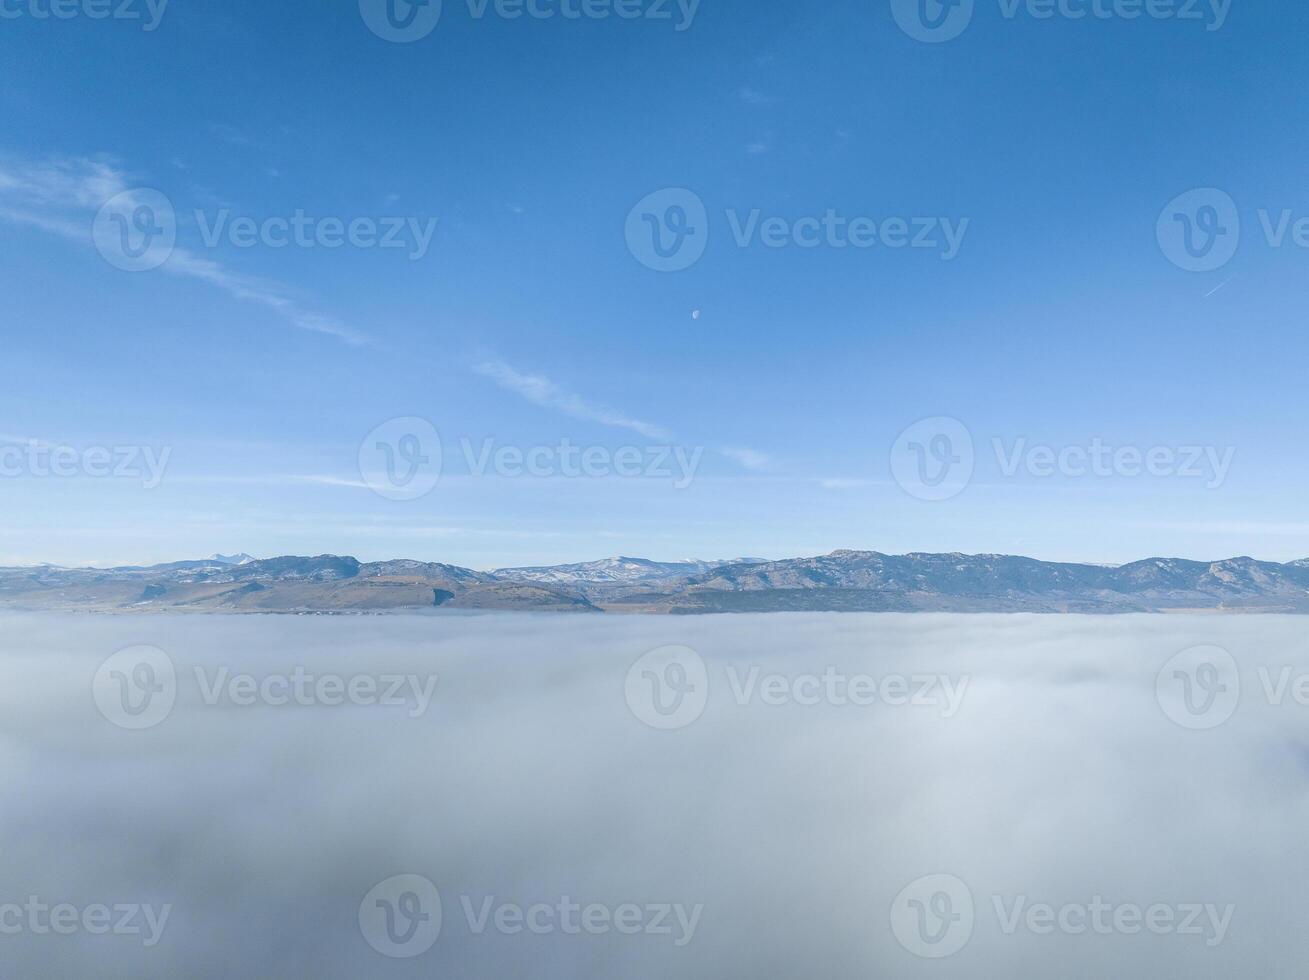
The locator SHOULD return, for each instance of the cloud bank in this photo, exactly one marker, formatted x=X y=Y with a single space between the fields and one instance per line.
x=793 y=824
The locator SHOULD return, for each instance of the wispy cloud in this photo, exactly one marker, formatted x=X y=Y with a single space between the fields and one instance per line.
x=1248 y=528
x=60 y=197
x=1219 y=286
x=542 y=391
x=751 y=459
x=751 y=96
x=846 y=483
x=274 y=480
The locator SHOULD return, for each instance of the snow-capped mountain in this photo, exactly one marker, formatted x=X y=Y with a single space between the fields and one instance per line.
x=241 y=559
x=840 y=581
x=618 y=570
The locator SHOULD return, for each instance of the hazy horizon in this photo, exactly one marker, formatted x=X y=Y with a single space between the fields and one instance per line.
x=661 y=560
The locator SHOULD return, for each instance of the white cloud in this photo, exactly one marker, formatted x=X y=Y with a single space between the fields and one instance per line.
x=751 y=459
x=60 y=198
x=540 y=390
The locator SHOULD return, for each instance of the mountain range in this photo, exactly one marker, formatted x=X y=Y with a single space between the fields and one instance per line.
x=864 y=581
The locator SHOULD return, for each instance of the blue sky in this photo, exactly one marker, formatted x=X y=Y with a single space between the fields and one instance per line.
x=1051 y=146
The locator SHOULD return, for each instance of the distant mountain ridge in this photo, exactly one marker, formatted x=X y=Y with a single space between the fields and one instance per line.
x=613 y=571
x=840 y=581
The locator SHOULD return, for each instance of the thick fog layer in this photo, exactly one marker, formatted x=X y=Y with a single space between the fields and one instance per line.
x=837 y=796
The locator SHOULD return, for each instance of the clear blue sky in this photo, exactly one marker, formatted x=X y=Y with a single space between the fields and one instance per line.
x=1061 y=319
